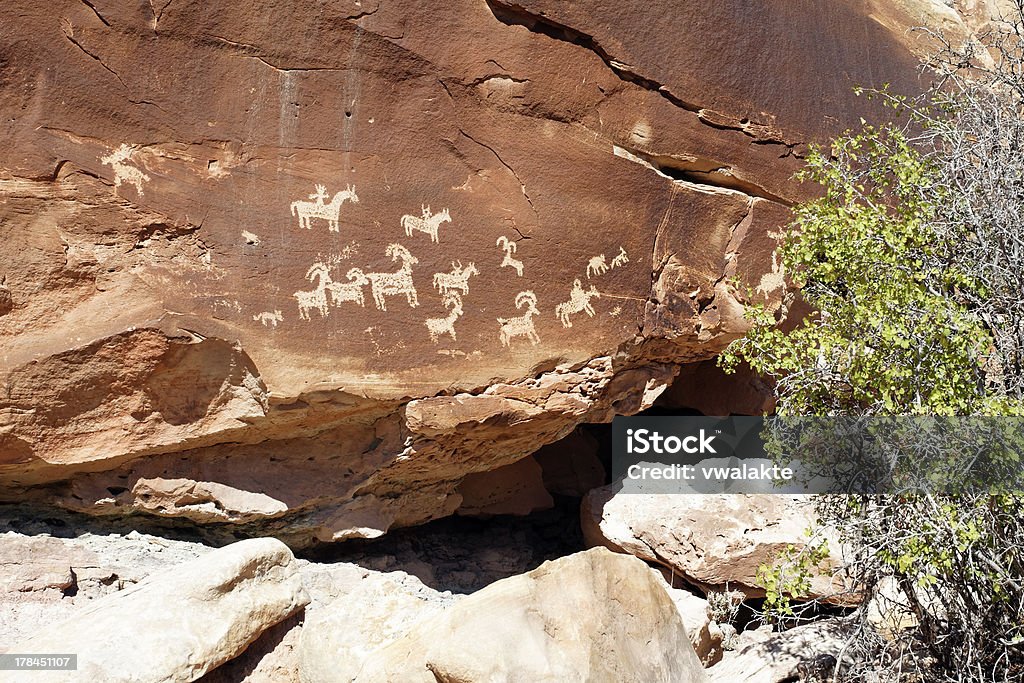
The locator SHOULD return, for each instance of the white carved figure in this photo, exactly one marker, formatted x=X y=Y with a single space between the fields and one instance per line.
x=597 y=266
x=428 y=222
x=306 y=211
x=266 y=318
x=349 y=291
x=399 y=282
x=457 y=279
x=123 y=173
x=521 y=326
x=620 y=259
x=317 y=298
x=775 y=280
x=579 y=300
x=438 y=326
x=509 y=248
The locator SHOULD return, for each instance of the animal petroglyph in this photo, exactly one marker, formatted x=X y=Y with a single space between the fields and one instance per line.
x=439 y=326
x=399 y=282
x=597 y=266
x=316 y=298
x=579 y=300
x=620 y=259
x=349 y=291
x=123 y=173
x=268 y=319
x=521 y=326
x=306 y=211
x=509 y=247
x=428 y=222
x=457 y=279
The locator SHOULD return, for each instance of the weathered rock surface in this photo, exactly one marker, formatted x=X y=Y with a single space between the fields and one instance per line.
x=778 y=657
x=516 y=489
x=705 y=636
x=337 y=639
x=190 y=327
x=714 y=541
x=177 y=624
x=594 y=616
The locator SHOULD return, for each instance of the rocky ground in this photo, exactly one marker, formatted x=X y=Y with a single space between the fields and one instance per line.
x=504 y=599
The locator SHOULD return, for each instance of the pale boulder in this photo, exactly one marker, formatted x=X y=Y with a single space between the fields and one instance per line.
x=179 y=623
x=704 y=633
x=337 y=638
x=790 y=655
x=594 y=616
x=713 y=541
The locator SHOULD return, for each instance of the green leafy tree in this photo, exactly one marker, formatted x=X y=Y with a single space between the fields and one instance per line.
x=912 y=260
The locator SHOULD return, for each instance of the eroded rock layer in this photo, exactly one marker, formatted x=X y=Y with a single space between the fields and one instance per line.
x=304 y=267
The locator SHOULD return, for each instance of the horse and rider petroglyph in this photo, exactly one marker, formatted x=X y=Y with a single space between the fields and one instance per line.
x=428 y=222
x=123 y=173
x=306 y=211
x=521 y=326
x=399 y=282
x=458 y=278
x=509 y=247
x=439 y=326
x=620 y=259
x=579 y=301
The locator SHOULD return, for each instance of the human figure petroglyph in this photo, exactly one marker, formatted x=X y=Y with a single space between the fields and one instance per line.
x=123 y=173
x=509 y=248
x=579 y=300
x=316 y=298
x=438 y=326
x=428 y=222
x=306 y=211
x=349 y=291
x=399 y=282
x=775 y=280
x=597 y=266
x=457 y=279
x=620 y=259
x=521 y=326
x=268 y=318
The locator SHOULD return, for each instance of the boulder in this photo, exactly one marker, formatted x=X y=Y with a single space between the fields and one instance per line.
x=307 y=267
x=786 y=656
x=339 y=636
x=179 y=623
x=593 y=616
x=704 y=633
x=714 y=541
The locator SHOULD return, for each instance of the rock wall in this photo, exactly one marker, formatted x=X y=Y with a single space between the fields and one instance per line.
x=301 y=268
